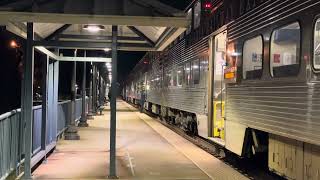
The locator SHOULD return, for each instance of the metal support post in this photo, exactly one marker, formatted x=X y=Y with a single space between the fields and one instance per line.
x=99 y=89
x=21 y=125
x=72 y=132
x=83 y=120
x=28 y=101
x=113 y=105
x=90 y=115
x=102 y=92
x=94 y=95
x=45 y=78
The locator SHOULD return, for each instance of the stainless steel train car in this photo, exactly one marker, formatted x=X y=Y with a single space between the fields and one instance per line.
x=245 y=75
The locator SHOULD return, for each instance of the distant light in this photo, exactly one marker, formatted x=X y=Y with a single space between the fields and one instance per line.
x=208 y=5
x=107 y=49
x=94 y=28
x=108 y=64
x=14 y=44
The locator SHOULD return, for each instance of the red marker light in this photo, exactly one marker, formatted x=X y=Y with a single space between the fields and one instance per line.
x=208 y=5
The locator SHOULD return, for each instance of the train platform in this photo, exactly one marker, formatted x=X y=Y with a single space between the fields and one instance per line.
x=145 y=150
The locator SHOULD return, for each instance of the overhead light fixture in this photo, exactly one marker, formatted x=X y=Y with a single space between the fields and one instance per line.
x=94 y=27
x=107 y=49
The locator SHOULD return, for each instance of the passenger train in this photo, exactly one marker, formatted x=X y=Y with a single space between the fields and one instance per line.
x=244 y=75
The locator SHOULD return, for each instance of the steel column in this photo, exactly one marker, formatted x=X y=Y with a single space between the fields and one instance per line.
x=83 y=120
x=94 y=86
x=72 y=132
x=113 y=105
x=28 y=101
x=45 y=78
x=101 y=102
x=90 y=115
x=100 y=90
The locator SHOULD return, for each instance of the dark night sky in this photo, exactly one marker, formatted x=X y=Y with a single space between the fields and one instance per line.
x=9 y=74
x=126 y=62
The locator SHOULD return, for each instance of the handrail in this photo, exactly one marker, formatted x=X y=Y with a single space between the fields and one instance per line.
x=64 y=102
x=7 y=115
x=13 y=112
x=36 y=107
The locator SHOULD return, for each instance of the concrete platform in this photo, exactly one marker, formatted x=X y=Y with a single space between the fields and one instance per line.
x=145 y=150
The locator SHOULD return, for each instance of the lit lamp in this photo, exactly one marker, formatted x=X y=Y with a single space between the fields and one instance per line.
x=94 y=28
x=14 y=44
x=207 y=6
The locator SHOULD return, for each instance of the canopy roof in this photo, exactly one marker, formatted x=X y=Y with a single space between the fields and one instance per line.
x=146 y=25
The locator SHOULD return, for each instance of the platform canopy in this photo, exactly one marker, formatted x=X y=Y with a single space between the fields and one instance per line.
x=143 y=25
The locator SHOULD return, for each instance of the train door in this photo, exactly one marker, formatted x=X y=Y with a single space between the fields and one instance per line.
x=218 y=94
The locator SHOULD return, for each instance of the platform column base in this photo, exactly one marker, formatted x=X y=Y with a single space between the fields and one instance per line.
x=113 y=177
x=90 y=116
x=83 y=124
x=71 y=134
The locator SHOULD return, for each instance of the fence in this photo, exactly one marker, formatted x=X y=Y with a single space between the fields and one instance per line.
x=12 y=135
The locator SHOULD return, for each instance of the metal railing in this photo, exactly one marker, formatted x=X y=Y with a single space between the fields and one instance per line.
x=12 y=135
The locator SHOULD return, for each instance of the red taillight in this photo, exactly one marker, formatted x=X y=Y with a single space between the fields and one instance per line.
x=208 y=5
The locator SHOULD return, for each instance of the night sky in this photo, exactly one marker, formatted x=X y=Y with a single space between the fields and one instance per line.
x=126 y=62
x=10 y=73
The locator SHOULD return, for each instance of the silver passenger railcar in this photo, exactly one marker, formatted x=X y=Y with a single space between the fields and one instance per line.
x=247 y=77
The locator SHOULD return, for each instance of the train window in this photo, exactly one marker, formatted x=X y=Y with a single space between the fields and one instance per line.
x=197 y=14
x=285 y=51
x=195 y=72
x=316 y=53
x=174 y=77
x=187 y=72
x=180 y=76
x=189 y=17
x=203 y=70
x=171 y=78
x=168 y=79
x=252 y=58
